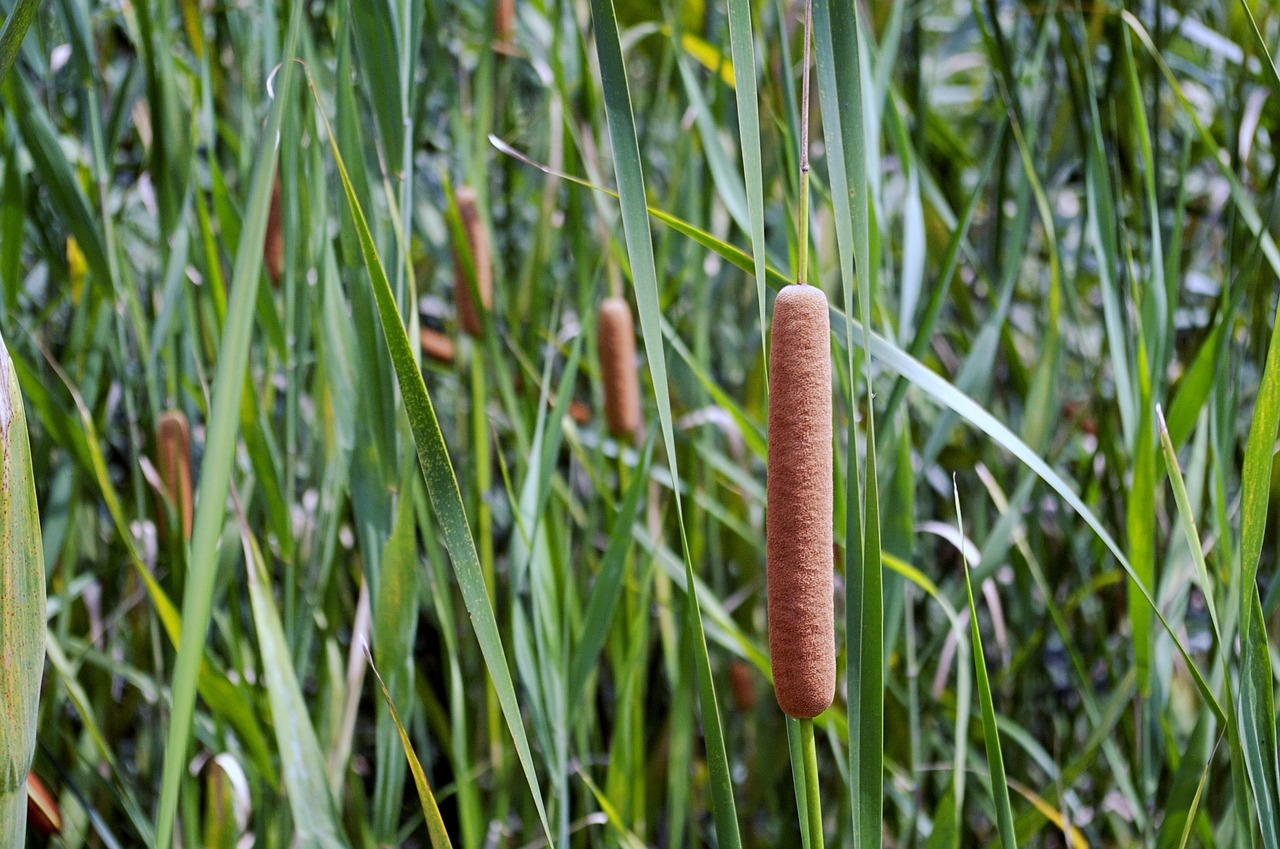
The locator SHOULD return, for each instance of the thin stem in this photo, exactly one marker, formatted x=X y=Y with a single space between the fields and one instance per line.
x=811 y=784
x=803 y=213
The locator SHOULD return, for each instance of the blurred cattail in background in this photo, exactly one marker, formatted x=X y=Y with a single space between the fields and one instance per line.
x=273 y=247
x=742 y=686
x=798 y=521
x=22 y=608
x=436 y=345
x=478 y=243
x=617 y=349
x=173 y=460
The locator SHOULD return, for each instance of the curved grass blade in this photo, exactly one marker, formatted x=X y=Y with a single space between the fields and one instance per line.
x=430 y=810
x=639 y=241
x=22 y=607
x=215 y=478
x=743 y=52
x=990 y=733
x=442 y=485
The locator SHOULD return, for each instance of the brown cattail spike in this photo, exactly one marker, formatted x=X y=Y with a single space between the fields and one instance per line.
x=436 y=345
x=798 y=522
x=173 y=458
x=273 y=247
x=617 y=347
x=478 y=242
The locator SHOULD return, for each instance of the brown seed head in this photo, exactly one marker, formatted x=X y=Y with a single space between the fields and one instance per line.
x=173 y=459
x=617 y=349
x=798 y=525
x=273 y=247
x=742 y=686
x=478 y=242
x=436 y=345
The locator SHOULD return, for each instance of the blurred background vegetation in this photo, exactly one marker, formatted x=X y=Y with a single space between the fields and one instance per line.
x=1063 y=215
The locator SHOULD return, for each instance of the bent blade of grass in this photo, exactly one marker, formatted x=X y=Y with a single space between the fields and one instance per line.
x=1188 y=520
x=315 y=818
x=442 y=485
x=215 y=478
x=430 y=810
x=990 y=733
x=639 y=242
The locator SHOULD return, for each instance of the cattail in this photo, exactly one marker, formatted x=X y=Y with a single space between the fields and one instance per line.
x=504 y=18
x=798 y=522
x=173 y=458
x=22 y=608
x=478 y=242
x=617 y=348
x=742 y=686
x=42 y=808
x=579 y=412
x=273 y=247
x=436 y=345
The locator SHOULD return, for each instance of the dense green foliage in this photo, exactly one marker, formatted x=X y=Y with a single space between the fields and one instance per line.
x=1046 y=233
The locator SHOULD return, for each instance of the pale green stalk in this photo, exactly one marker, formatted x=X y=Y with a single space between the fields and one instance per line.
x=22 y=616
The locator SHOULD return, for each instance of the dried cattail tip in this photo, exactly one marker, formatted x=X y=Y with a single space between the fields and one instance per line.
x=173 y=459
x=436 y=345
x=617 y=347
x=273 y=247
x=478 y=242
x=798 y=522
x=504 y=18
x=43 y=814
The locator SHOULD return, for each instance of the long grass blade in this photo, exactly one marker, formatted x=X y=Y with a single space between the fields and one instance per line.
x=197 y=601
x=635 y=223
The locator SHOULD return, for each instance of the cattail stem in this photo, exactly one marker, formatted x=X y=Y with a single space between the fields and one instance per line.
x=802 y=273
x=798 y=521
x=811 y=794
